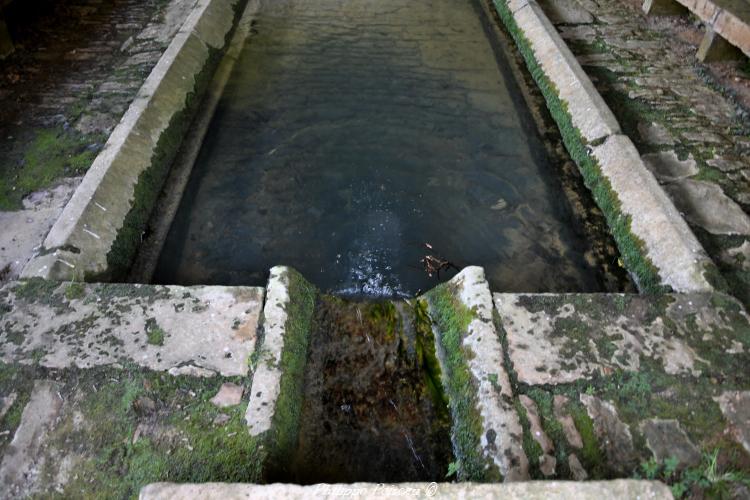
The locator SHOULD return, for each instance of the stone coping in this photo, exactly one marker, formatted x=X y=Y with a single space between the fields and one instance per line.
x=666 y=240
x=594 y=490
x=116 y=195
x=482 y=353
x=267 y=376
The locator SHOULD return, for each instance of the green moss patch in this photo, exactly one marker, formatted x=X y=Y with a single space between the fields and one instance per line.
x=54 y=153
x=123 y=429
x=531 y=447
x=154 y=333
x=14 y=383
x=284 y=433
x=452 y=319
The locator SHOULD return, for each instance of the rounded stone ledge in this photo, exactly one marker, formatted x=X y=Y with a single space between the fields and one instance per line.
x=588 y=111
x=669 y=243
x=568 y=490
x=80 y=241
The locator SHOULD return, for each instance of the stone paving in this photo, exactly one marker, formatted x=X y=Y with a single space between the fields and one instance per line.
x=110 y=387
x=622 y=385
x=692 y=136
x=604 y=385
x=74 y=73
x=104 y=387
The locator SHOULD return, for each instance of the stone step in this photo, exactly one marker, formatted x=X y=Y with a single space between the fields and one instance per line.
x=525 y=490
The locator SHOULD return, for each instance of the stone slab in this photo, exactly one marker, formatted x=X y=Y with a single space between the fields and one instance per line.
x=613 y=433
x=566 y=12
x=78 y=245
x=735 y=405
x=589 y=113
x=666 y=439
x=666 y=166
x=267 y=377
x=558 y=339
x=19 y=460
x=531 y=490
x=486 y=364
x=668 y=242
x=198 y=330
x=705 y=205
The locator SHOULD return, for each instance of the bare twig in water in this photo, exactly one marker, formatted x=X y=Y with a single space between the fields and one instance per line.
x=433 y=264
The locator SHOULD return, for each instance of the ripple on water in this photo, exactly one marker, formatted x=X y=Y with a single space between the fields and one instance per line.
x=351 y=133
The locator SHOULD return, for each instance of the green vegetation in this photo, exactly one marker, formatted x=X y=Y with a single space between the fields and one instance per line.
x=131 y=427
x=154 y=333
x=452 y=320
x=427 y=359
x=532 y=449
x=591 y=455
x=13 y=381
x=384 y=313
x=51 y=155
x=282 y=438
x=38 y=290
x=75 y=291
x=707 y=480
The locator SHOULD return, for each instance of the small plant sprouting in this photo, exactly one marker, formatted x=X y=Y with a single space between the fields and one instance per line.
x=452 y=469
x=705 y=476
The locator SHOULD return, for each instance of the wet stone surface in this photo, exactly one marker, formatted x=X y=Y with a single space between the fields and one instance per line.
x=373 y=408
x=350 y=134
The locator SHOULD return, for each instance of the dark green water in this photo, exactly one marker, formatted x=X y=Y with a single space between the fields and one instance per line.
x=353 y=132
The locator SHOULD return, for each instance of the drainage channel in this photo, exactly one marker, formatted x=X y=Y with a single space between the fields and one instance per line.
x=354 y=140
x=348 y=391
x=373 y=406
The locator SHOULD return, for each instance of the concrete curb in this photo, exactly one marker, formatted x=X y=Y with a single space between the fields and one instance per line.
x=276 y=396
x=666 y=241
x=167 y=205
x=588 y=111
x=118 y=191
x=501 y=438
